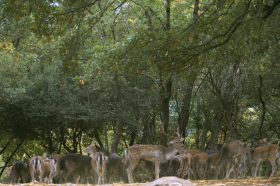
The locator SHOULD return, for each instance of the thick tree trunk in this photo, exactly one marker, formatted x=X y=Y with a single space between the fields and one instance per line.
x=185 y=111
x=197 y=133
x=216 y=128
x=203 y=138
x=116 y=139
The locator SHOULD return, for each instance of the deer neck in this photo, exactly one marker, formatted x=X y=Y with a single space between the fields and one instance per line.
x=170 y=152
x=92 y=154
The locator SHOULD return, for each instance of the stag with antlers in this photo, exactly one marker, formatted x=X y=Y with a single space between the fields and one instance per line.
x=152 y=153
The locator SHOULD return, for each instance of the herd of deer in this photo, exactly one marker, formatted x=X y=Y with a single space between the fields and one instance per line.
x=236 y=156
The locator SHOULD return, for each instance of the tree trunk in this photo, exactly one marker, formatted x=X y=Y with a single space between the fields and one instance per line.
x=116 y=139
x=203 y=137
x=216 y=128
x=197 y=138
x=185 y=111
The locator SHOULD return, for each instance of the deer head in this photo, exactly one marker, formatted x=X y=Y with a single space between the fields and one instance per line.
x=91 y=148
x=261 y=142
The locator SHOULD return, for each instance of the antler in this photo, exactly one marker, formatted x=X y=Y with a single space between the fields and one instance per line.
x=162 y=130
x=177 y=132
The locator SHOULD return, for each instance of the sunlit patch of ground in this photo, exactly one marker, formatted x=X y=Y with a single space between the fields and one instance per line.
x=272 y=181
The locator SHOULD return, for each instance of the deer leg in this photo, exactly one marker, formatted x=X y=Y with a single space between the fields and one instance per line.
x=273 y=164
x=129 y=170
x=190 y=172
x=157 y=164
x=256 y=168
x=227 y=170
x=261 y=171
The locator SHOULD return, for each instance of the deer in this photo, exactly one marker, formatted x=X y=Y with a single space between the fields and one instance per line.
x=76 y=165
x=198 y=164
x=9 y=169
x=54 y=166
x=212 y=160
x=232 y=152
x=18 y=172
x=250 y=162
x=152 y=153
x=114 y=168
x=98 y=162
x=37 y=167
x=270 y=152
x=186 y=157
x=146 y=167
x=174 y=165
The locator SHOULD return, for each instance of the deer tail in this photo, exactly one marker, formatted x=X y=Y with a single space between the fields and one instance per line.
x=100 y=160
x=125 y=155
x=36 y=162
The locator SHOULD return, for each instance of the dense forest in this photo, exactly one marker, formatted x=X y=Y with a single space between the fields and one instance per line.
x=78 y=71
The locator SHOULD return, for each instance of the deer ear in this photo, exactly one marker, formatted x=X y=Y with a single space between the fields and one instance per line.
x=182 y=139
x=264 y=139
x=187 y=149
x=94 y=143
x=54 y=153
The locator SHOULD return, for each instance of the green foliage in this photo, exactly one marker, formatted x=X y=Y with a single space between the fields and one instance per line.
x=58 y=59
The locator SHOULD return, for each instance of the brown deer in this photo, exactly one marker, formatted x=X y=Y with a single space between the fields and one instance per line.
x=198 y=164
x=9 y=169
x=152 y=153
x=212 y=160
x=115 y=168
x=98 y=162
x=186 y=157
x=250 y=162
x=174 y=165
x=76 y=165
x=54 y=166
x=232 y=152
x=261 y=142
x=37 y=166
x=47 y=171
x=269 y=153
x=18 y=172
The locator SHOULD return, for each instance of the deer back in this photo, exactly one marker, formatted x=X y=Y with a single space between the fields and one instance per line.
x=265 y=152
x=147 y=152
x=231 y=151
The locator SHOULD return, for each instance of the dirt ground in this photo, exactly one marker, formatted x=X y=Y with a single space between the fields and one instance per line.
x=264 y=181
